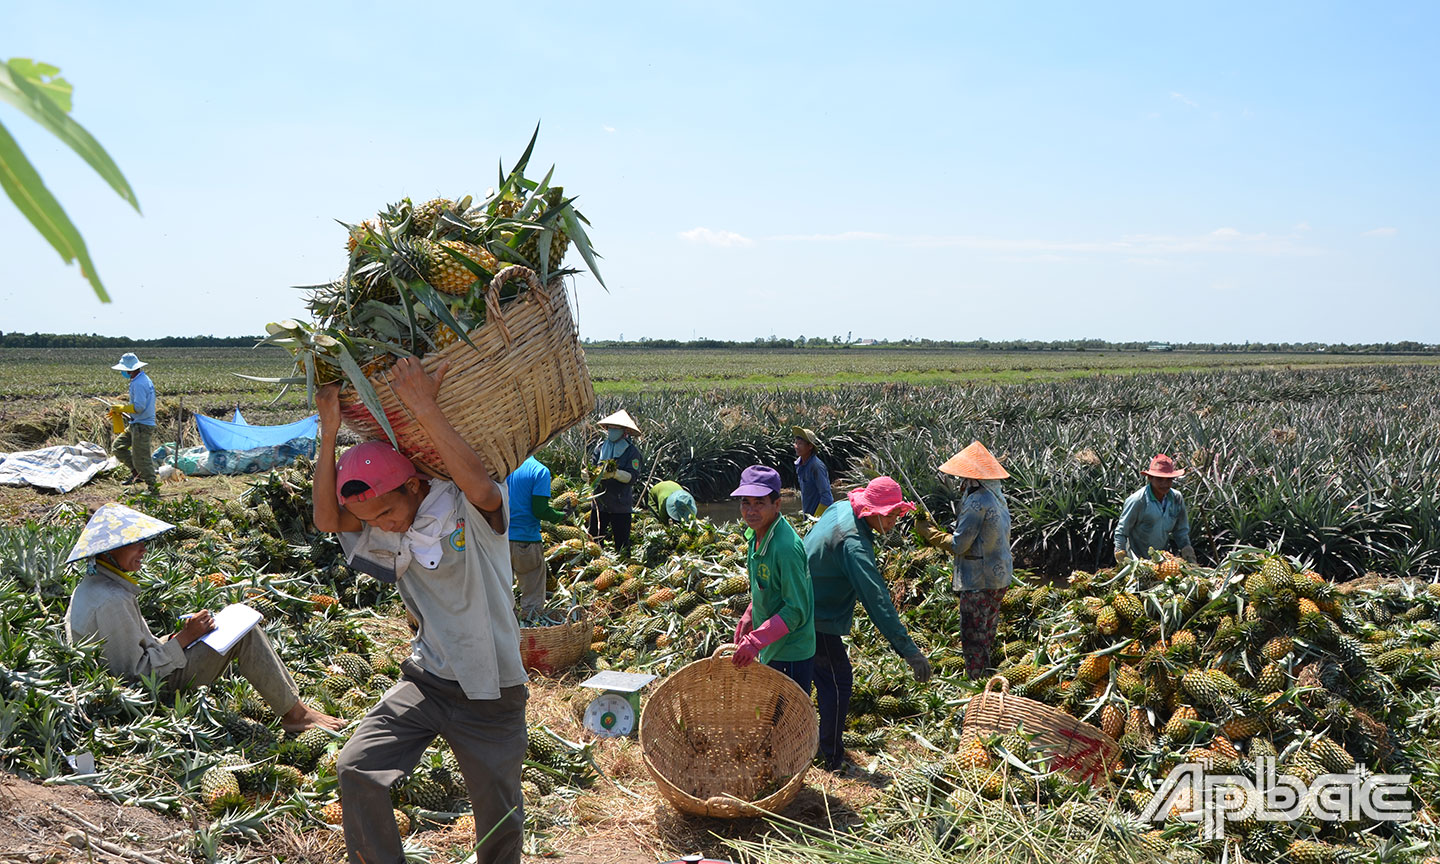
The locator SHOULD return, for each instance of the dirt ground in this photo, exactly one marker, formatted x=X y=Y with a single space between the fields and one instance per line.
x=620 y=819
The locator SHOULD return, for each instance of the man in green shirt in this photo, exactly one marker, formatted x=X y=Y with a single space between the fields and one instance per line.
x=841 y=553
x=669 y=501
x=780 y=593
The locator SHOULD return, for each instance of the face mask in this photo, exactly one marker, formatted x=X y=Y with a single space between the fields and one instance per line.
x=612 y=435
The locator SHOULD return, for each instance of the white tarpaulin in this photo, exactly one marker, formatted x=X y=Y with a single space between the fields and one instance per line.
x=61 y=468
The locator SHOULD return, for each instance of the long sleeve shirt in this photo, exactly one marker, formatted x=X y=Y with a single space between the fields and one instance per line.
x=840 y=550
x=104 y=606
x=780 y=585
x=617 y=497
x=982 y=544
x=814 y=484
x=142 y=396
x=1147 y=523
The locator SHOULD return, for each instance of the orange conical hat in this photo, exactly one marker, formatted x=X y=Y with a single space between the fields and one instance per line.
x=974 y=463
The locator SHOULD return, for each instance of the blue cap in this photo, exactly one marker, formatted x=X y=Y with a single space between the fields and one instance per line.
x=757 y=481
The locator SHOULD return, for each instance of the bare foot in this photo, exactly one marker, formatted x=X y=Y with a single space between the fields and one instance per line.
x=303 y=717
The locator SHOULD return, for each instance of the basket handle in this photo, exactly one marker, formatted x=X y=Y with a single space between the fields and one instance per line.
x=724 y=650
x=1003 y=682
x=492 y=295
x=571 y=617
x=725 y=806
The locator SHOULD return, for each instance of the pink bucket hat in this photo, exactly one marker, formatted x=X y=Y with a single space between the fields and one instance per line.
x=881 y=497
x=1163 y=466
x=377 y=465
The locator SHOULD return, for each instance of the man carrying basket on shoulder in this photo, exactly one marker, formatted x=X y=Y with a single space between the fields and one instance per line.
x=443 y=544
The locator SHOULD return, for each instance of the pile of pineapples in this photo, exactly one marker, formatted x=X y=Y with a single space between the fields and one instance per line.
x=417 y=276
x=1255 y=658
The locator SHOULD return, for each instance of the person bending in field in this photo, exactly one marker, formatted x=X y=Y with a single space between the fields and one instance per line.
x=984 y=567
x=1154 y=517
x=670 y=502
x=105 y=607
x=443 y=544
x=778 y=627
x=840 y=549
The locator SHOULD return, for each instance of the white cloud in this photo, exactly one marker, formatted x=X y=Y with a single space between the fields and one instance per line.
x=1183 y=99
x=1301 y=228
x=1148 y=247
x=1381 y=232
x=608 y=128
x=711 y=237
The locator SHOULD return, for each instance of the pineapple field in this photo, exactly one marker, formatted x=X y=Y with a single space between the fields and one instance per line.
x=1308 y=635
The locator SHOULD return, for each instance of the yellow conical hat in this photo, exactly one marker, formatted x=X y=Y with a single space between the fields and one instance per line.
x=621 y=419
x=974 y=463
x=113 y=526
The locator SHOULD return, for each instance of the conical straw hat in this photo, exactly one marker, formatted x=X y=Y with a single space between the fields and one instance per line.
x=621 y=419
x=113 y=526
x=974 y=463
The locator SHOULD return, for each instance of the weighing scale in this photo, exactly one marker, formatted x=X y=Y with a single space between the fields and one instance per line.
x=616 y=711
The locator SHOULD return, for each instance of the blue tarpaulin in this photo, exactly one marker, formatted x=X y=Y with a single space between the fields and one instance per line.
x=239 y=435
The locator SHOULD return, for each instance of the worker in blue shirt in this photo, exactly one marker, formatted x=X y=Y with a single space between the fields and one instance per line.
x=134 y=447
x=529 y=504
x=1154 y=517
x=815 y=494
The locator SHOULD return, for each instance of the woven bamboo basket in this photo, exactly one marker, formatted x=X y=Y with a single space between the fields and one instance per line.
x=728 y=742
x=523 y=383
x=1072 y=746
x=549 y=650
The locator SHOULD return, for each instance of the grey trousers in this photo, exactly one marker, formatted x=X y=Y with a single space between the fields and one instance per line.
x=488 y=737
x=527 y=559
x=134 y=448
x=256 y=661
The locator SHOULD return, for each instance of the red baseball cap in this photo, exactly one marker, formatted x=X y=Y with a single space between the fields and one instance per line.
x=377 y=465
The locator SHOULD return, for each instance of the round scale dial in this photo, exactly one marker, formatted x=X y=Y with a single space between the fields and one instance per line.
x=610 y=715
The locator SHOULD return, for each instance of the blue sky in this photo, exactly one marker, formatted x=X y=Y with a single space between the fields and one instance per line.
x=1215 y=172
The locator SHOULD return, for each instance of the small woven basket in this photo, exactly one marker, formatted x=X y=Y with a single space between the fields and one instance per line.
x=728 y=742
x=1073 y=747
x=549 y=650
x=523 y=383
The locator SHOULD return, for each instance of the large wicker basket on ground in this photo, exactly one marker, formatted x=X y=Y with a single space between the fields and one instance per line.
x=549 y=650
x=1071 y=746
x=523 y=383
x=728 y=742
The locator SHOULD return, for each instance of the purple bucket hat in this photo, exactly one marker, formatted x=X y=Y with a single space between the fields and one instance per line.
x=757 y=481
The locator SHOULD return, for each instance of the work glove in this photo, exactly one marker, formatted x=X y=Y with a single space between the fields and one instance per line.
x=742 y=629
x=919 y=667
x=748 y=649
x=622 y=475
x=126 y=409
x=820 y=511
x=1122 y=557
x=930 y=534
x=1188 y=553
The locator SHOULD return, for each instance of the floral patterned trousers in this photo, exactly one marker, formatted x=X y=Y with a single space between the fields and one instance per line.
x=979 y=613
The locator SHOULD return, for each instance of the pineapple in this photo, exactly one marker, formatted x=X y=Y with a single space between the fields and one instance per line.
x=1107 y=620
x=1331 y=755
x=1128 y=606
x=331 y=813
x=220 y=790
x=703 y=612
x=1183 y=643
x=1093 y=668
x=1270 y=679
x=569 y=532
x=1200 y=687
x=1277 y=649
x=660 y=598
x=354 y=666
x=1178 y=726
x=1112 y=720
x=1277 y=573
x=288 y=778
x=320 y=601
x=606 y=580
x=1310 y=852
x=1169 y=566
x=402 y=822
x=424 y=217
x=734 y=585
x=450 y=275
x=1241 y=728
x=974 y=756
